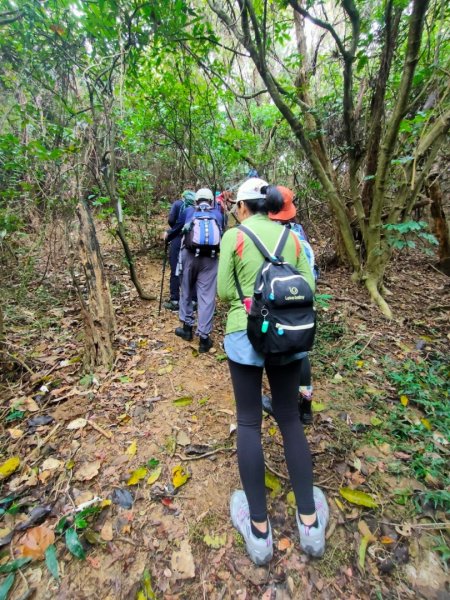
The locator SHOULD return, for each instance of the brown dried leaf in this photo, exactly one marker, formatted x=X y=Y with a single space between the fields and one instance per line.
x=35 y=542
x=284 y=544
x=106 y=532
x=87 y=471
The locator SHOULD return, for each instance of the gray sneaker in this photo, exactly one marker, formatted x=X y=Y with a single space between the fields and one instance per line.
x=312 y=539
x=260 y=550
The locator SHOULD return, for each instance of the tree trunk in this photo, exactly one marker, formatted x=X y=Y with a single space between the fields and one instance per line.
x=440 y=225
x=98 y=311
x=130 y=261
x=109 y=178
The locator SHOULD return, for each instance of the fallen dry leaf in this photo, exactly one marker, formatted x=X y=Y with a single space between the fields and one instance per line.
x=15 y=433
x=182 y=562
x=106 y=532
x=44 y=476
x=35 y=542
x=284 y=544
x=77 y=423
x=93 y=561
x=87 y=471
x=31 y=405
x=50 y=464
x=83 y=497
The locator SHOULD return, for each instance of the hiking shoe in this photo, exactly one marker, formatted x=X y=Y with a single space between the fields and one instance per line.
x=205 y=344
x=267 y=404
x=312 y=539
x=305 y=410
x=260 y=550
x=172 y=305
x=184 y=332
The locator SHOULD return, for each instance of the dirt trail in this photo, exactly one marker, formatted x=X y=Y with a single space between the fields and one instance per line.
x=186 y=541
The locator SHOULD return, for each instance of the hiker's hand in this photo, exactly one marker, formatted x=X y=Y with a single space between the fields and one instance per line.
x=164 y=237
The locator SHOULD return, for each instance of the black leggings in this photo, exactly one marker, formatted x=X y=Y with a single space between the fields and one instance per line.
x=284 y=382
x=305 y=371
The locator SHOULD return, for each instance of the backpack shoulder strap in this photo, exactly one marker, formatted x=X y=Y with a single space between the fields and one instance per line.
x=282 y=243
x=262 y=248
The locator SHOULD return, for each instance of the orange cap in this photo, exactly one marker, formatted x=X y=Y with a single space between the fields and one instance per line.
x=288 y=211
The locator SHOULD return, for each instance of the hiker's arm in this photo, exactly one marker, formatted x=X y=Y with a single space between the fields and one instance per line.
x=174 y=232
x=182 y=219
x=226 y=285
x=173 y=215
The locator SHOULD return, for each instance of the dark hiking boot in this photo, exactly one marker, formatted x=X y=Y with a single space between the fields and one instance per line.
x=205 y=344
x=184 y=332
x=305 y=410
x=172 y=305
x=267 y=404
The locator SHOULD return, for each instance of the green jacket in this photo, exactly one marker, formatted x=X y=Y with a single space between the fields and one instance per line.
x=239 y=253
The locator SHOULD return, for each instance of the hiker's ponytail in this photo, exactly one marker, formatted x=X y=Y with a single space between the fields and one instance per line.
x=273 y=199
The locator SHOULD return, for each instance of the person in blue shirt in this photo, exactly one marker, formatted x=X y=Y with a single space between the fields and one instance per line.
x=173 y=236
x=199 y=267
x=287 y=217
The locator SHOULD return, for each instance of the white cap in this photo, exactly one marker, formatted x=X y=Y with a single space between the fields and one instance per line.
x=251 y=189
x=204 y=194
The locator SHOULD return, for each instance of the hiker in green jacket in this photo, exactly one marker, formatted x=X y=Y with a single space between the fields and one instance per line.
x=240 y=259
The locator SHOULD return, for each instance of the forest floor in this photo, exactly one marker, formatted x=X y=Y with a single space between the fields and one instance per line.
x=165 y=412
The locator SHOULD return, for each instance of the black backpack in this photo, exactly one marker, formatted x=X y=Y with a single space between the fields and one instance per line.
x=282 y=317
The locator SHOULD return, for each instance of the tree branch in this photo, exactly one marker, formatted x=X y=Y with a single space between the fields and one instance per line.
x=296 y=6
x=388 y=144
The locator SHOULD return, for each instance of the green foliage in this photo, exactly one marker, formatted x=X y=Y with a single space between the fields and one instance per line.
x=399 y=234
x=425 y=383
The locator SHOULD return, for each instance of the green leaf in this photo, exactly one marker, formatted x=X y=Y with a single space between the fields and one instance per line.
x=215 y=541
x=184 y=401
x=14 y=415
x=74 y=545
x=290 y=499
x=362 y=551
x=152 y=463
x=147 y=589
x=61 y=525
x=81 y=517
x=87 y=380
x=6 y=586
x=14 y=565
x=51 y=561
x=375 y=421
x=358 y=497
x=273 y=483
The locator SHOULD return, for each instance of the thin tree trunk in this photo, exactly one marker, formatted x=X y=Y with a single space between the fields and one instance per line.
x=98 y=311
x=109 y=178
x=440 y=225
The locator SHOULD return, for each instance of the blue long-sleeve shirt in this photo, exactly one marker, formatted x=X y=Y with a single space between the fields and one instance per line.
x=176 y=220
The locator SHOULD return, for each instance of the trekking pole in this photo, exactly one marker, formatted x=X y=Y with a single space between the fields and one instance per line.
x=166 y=245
